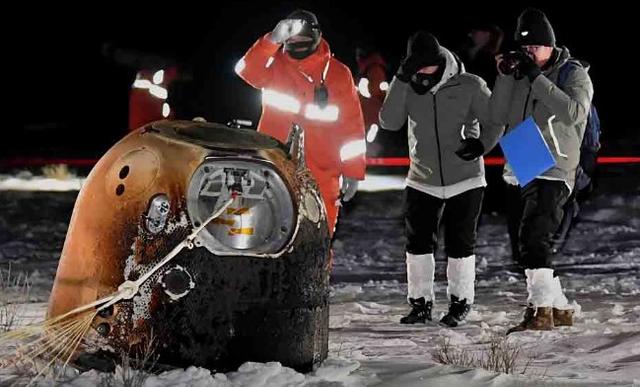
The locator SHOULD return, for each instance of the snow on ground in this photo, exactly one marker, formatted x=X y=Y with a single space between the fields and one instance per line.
x=29 y=182
x=600 y=268
x=377 y=183
x=26 y=181
x=40 y=184
x=334 y=372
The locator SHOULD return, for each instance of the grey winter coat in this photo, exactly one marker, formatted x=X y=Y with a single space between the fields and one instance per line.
x=438 y=120
x=561 y=114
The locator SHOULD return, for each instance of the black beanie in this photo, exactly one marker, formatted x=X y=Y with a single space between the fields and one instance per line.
x=534 y=29
x=426 y=47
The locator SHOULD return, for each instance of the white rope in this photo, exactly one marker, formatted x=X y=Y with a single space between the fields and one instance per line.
x=128 y=289
x=65 y=335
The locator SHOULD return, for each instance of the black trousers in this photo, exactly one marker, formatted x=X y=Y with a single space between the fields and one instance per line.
x=534 y=213
x=460 y=213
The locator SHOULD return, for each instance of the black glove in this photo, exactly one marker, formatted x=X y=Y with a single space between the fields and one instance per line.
x=528 y=68
x=470 y=148
x=409 y=66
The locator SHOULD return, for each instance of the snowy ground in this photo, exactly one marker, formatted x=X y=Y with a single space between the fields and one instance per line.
x=600 y=269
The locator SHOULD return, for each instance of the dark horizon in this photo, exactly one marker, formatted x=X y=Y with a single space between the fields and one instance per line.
x=78 y=98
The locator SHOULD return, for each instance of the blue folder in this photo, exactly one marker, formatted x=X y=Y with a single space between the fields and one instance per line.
x=527 y=152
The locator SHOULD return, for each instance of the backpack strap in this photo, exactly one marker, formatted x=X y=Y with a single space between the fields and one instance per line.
x=565 y=70
x=563 y=75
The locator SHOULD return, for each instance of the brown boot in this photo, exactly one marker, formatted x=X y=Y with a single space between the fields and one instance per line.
x=562 y=317
x=536 y=319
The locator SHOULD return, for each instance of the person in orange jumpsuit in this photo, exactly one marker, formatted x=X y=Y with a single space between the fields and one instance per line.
x=302 y=83
x=148 y=96
x=372 y=87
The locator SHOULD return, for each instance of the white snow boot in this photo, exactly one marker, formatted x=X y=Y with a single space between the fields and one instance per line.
x=562 y=311
x=539 y=314
x=420 y=273
x=461 y=278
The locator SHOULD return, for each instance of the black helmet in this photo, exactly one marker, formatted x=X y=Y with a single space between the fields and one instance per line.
x=311 y=29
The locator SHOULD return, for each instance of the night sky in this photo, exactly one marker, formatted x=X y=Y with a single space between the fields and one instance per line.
x=76 y=99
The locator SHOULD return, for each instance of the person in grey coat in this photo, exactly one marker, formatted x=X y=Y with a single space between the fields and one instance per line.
x=449 y=131
x=527 y=86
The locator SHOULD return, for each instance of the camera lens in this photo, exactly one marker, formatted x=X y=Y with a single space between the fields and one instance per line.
x=509 y=63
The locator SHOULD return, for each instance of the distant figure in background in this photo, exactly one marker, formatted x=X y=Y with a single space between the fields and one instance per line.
x=148 y=98
x=372 y=86
x=483 y=44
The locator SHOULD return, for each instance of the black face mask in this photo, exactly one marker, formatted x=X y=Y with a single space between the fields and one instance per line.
x=422 y=83
x=301 y=50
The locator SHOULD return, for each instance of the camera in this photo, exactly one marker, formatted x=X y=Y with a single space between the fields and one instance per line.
x=510 y=62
